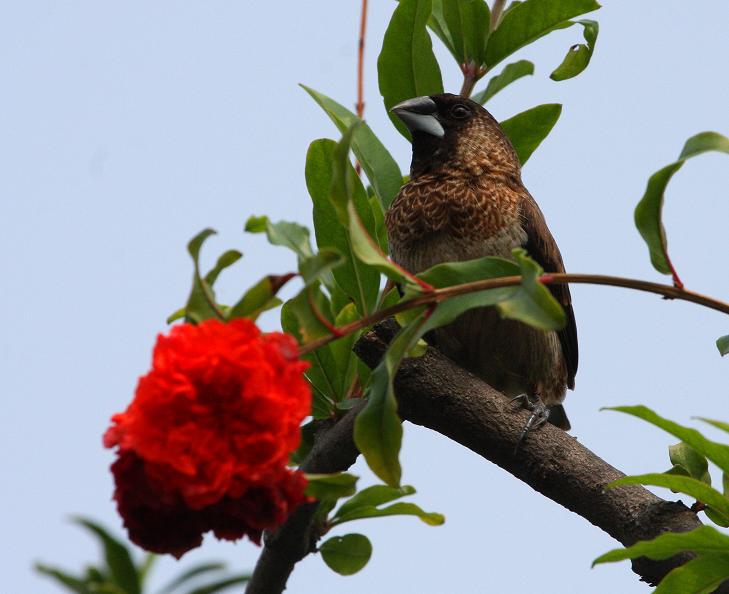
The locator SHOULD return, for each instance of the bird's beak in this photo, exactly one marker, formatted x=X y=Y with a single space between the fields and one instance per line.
x=418 y=115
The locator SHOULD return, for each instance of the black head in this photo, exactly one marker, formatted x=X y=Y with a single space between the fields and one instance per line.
x=453 y=132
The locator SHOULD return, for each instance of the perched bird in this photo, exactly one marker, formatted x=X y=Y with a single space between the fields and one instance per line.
x=465 y=200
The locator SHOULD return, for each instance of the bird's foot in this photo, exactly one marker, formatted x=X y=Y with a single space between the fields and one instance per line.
x=539 y=416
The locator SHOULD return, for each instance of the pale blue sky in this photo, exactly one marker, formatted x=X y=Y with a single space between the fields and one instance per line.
x=126 y=127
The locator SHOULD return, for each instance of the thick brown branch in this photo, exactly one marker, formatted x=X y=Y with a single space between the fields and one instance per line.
x=333 y=451
x=434 y=392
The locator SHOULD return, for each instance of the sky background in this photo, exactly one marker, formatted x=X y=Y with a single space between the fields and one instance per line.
x=126 y=127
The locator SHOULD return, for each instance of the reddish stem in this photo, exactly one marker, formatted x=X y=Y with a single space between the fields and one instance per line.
x=676 y=279
x=333 y=330
x=435 y=296
x=360 y=70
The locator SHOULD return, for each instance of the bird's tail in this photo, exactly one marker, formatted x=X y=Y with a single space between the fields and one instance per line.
x=558 y=417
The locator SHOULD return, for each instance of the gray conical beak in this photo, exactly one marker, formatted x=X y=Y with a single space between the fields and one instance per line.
x=419 y=115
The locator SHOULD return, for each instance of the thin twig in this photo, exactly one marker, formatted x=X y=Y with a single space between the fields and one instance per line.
x=360 y=70
x=438 y=295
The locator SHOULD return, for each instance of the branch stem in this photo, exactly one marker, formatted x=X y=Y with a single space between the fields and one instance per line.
x=360 y=69
x=438 y=295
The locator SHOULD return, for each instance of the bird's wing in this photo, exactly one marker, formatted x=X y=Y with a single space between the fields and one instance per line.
x=543 y=248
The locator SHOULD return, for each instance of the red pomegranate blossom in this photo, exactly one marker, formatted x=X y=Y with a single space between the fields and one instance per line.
x=205 y=443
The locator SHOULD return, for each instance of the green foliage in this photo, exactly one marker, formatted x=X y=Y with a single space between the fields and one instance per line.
x=528 y=129
x=331 y=486
x=688 y=475
x=649 y=211
x=360 y=282
x=119 y=573
x=201 y=302
x=579 y=55
x=377 y=429
x=722 y=343
x=511 y=72
x=699 y=576
x=467 y=25
x=377 y=163
x=407 y=66
x=346 y=554
x=529 y=21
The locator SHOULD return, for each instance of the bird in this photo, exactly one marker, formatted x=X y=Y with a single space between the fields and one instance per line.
x=465 y=199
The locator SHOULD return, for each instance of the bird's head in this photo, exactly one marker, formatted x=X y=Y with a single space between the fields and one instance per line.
x=455 y=136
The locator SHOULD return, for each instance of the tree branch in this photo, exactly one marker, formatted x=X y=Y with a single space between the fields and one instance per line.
x=333 y=451
x=434 y=392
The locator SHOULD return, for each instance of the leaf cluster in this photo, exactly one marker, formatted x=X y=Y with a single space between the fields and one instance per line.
x=689 y=474
x=119 y=573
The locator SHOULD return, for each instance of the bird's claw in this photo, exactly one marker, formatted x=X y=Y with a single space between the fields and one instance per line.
x=539 y=416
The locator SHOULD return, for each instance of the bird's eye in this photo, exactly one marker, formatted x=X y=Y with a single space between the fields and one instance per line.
x=460 y=111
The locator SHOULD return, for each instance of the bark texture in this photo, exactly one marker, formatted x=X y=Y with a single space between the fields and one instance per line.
x=434 y=392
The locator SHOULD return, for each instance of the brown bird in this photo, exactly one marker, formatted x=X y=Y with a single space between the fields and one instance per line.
x=465 y=200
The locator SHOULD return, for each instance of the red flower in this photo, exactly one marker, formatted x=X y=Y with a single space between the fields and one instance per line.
x=205 y=442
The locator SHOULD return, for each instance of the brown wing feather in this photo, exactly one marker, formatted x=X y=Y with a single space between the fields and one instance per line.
x=543 y=248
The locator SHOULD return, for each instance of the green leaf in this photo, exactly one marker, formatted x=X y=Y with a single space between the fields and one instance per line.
x=454 y=273
x=528 y=129
x=344 y=357
x=682 y=484
x=190 y=574
x=685 y=456
x=530 y=302
x=407 y=66
x=222 y=584
x=122 y=570
x=722 y=344
x=201 y=302
x=467 y=22
x=534 y=304
x=718 y=424
x=299 y=320
x=718 y=453
x=377 y=429
x=346 y=554
x=699 y=576
x=284 y=233
x=259 y=298
x=317 y=267
x=367 y=250
x=226 y=260
x=331 y=486
x=529 y=21
x=702 y=541
x=648 y=212
x=378 y=164
x=396 y=509
x=372 y=497
x=579 y=55
x=508 y=75
x=68 y=581
x=358 y=281
x=718 y=518
x=145 y=568
x=380 y=233
x=437 y=25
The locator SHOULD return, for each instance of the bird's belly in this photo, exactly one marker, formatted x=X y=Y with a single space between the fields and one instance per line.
x=512 y=357
x=439 y=247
